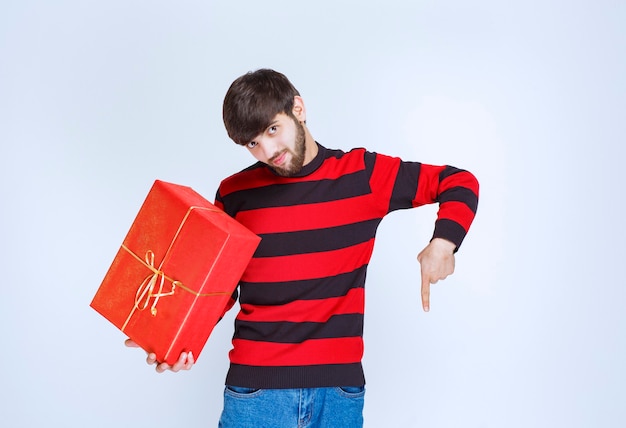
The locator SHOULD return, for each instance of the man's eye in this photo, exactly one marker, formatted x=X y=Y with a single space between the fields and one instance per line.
x=272 y=129
x=251 y=144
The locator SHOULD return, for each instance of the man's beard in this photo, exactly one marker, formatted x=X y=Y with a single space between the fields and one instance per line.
x=297 y=155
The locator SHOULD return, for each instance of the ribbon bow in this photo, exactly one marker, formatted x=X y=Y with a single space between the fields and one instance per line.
x=146 y=289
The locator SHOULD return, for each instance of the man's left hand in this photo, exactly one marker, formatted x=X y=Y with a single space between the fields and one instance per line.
x=437 y=262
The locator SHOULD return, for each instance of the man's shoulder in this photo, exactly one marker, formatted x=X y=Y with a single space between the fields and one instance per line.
x=246 y=175
x=342 y=152
x=345 y=154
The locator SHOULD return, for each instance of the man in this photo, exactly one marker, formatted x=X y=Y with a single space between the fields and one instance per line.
x=298 y=341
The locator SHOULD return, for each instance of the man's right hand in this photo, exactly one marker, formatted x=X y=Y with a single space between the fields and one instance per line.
x=185 y=361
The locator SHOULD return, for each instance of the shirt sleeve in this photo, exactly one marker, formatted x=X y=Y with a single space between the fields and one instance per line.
x=454 y=189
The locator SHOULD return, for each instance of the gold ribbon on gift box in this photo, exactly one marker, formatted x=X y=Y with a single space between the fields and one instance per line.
x=156 y=279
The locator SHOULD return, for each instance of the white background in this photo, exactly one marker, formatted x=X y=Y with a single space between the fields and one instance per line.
x=100 y=98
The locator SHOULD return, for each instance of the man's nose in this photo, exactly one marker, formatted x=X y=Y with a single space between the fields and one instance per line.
x=269 y=148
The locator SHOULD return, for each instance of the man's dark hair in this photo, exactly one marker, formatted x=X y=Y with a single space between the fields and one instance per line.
x=252 y=102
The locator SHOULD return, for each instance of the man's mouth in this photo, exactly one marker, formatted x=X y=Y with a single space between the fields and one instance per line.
x=280 y=159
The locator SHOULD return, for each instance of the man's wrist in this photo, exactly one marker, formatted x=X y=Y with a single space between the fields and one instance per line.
x=444 y=244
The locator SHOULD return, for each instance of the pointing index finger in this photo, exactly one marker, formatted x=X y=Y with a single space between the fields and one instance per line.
x=425 y=292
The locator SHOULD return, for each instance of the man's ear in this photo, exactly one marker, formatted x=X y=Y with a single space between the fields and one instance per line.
x=299 y=111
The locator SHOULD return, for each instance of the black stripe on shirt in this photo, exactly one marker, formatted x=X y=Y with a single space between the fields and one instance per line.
x=405 y=186
x=450 y=230
x=278 y=293
x=460 y=194
x=448 y=171
x=345 y=325
x=295 y=193
x=317 y=376
x=318 y=240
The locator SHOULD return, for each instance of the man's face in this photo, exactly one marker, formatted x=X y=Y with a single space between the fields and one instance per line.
x=281 y=145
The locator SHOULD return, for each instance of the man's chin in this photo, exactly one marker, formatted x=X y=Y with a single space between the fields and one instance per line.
x=287 y=172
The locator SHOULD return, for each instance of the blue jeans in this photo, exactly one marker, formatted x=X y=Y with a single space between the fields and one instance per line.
x=293 y=408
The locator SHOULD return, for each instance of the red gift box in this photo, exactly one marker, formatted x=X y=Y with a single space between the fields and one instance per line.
x=173 y=276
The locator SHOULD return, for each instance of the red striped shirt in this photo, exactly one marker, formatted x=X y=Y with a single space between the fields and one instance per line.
x=302 y=295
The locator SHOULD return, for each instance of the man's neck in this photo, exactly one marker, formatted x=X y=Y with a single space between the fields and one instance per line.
x=310 y=146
